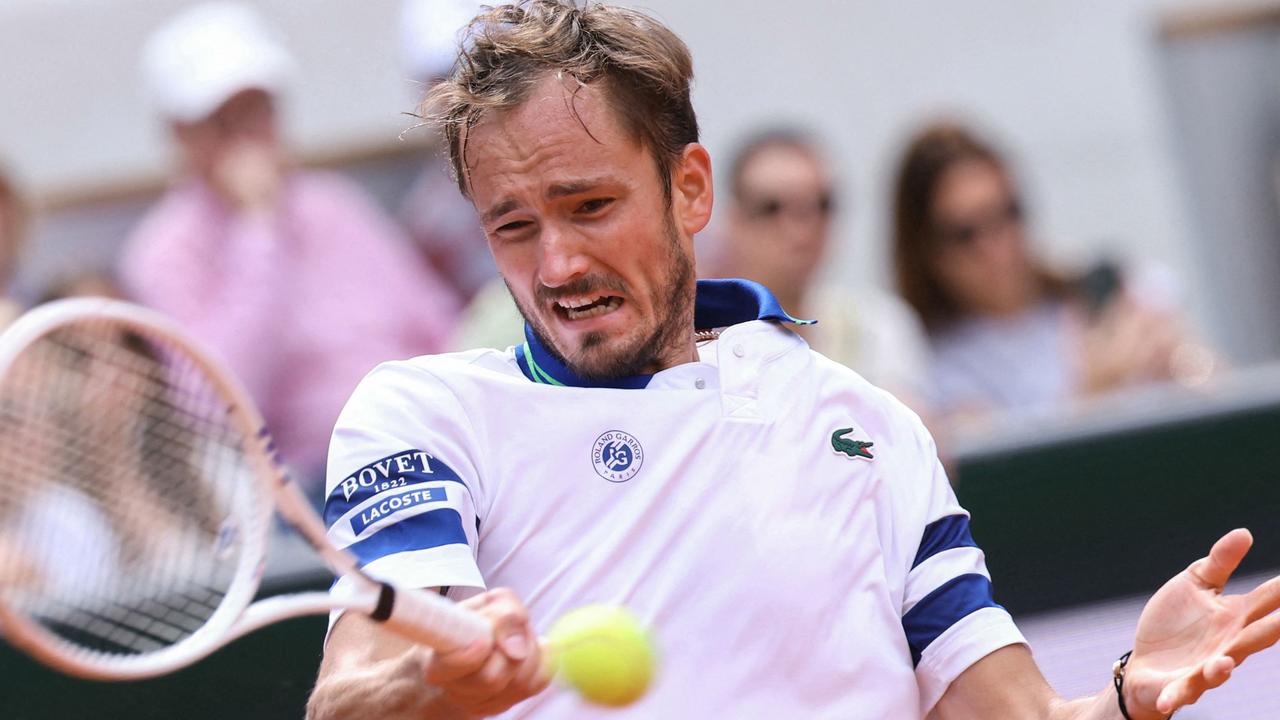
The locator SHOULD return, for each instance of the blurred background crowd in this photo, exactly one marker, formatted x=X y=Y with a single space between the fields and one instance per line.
x=998 y=211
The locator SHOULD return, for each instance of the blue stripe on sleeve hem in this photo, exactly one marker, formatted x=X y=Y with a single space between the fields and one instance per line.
x=945 y=533
x=420 y=532
x=950 y=603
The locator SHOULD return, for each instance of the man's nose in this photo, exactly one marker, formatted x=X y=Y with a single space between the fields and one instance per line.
x=561 y=257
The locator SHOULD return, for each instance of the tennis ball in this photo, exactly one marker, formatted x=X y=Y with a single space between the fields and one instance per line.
x=604 y=653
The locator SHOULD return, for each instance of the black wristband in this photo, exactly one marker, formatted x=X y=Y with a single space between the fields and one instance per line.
x=1117 y=677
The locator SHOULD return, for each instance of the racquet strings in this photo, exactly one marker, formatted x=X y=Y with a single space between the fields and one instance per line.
x=125 y=488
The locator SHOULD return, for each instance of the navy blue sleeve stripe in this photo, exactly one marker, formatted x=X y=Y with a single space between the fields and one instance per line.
x=430 y=529
x=945 y=533
x=955 y=600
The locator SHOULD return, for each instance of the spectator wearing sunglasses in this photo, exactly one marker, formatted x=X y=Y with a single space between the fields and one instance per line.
x=779 y=227
x=1006 y=331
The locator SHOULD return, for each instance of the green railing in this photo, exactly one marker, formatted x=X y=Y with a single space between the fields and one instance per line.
x=1101 y=515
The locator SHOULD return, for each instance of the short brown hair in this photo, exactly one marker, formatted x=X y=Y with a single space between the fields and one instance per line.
x=645 y=68
x=931 y=152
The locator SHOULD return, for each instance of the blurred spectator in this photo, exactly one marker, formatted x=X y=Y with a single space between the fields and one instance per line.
x=295 y=277
x=779 y=227
x=441 y=222
x=13 y=228
x=1006 y=331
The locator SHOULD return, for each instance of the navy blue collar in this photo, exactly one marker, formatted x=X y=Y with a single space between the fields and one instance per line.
x=718 y=303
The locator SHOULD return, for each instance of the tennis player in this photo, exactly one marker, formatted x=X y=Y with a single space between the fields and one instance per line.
x=784 y=527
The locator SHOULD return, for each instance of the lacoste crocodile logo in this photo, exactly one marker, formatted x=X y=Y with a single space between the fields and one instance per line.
x=852 y=448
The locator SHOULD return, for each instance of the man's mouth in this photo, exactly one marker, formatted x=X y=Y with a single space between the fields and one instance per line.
x=583 y=307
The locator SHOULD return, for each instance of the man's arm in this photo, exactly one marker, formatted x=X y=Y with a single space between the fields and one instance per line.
x=403 y=428
x=370 y=672
x=1190 y=638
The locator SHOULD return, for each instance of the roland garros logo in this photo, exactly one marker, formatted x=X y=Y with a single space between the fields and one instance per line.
x=617 y=456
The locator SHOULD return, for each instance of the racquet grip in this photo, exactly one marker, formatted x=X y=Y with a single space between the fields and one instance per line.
x=430 y=619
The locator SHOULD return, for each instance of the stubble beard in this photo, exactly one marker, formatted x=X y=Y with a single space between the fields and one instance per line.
x=594 y=360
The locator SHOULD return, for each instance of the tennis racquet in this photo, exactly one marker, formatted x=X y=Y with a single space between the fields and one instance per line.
x=137 y=490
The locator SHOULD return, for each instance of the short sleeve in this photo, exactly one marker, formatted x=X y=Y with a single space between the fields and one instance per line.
x=401 y=491
x=949 y=615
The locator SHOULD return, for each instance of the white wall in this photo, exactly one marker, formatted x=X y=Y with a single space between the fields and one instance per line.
x=1069 y=87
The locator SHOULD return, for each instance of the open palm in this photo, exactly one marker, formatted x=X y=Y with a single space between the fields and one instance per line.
x=1191 y=635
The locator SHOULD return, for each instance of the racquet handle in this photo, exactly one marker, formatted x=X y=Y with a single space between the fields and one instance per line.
x=429 y=619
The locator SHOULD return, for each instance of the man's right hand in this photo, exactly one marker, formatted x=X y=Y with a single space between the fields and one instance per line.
x=488 y=677
x=369 y=672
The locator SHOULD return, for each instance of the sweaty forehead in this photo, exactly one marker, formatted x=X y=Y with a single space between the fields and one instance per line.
x=562 y=130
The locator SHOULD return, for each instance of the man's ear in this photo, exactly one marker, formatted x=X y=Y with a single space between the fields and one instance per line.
x=692 y=194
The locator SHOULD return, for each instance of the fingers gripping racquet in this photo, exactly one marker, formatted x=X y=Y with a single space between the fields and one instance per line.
x=137 y=485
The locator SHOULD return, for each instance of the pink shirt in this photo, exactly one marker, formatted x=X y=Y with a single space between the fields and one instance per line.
x=301 y=304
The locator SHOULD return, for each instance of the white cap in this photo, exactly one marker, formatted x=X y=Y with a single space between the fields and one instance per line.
x=429 y=34
x=200 y=58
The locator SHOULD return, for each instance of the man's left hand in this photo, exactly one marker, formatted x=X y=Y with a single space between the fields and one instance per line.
x=1191 y=635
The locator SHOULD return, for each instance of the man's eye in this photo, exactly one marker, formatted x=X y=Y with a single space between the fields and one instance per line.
x=594 y=205
x=513 y=226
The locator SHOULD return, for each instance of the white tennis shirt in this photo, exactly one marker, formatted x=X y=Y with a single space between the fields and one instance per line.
x=786 y=569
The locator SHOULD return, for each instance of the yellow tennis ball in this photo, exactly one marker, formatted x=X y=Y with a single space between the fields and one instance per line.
x=604 y=653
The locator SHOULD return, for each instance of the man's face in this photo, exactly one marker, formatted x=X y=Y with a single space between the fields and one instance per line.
x=598 y=261
x=246 y=118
